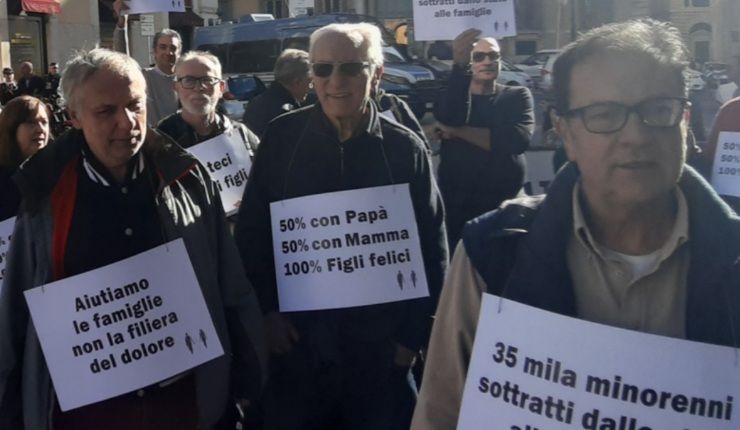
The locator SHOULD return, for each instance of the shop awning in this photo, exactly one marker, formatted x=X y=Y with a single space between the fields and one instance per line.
x=50 y=7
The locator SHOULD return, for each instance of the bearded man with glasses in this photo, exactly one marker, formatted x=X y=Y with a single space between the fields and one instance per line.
x=199 y=88
x=341 y=368
x=628 y=234
x=485 y=127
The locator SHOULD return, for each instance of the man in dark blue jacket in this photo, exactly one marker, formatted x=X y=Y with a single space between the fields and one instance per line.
x=628 y=235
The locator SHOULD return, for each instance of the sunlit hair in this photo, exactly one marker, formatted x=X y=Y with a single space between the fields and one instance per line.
x=204 y=56
x=291 y=65
x=488 y=40
x=15 y=113
x=644 y=39
x=365 y=37
x=86 y=63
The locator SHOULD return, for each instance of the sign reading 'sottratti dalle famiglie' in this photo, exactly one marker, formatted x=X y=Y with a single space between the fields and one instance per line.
x=533 y=370
x=445 y=19
x=347 y=248
x=124 y=326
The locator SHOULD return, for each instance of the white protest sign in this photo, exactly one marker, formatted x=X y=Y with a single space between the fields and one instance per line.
x=228 y=163
x=445 y=19
x=124 y=326
x=533 y=369
x=347 y=248
x=726 y=166
x=152 y=6
x=6 y=231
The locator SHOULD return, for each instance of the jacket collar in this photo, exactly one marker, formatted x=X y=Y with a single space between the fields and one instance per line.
x=37 y=176
x=540 y=276
x=319 y=123
x=283 y=94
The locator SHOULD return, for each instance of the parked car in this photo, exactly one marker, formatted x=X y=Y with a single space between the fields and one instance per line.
x=512 y=75
x=534 y=64
x=240 y=89
x=251 y=47
x=546 y=72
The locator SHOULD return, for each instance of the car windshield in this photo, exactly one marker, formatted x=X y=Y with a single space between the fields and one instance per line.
x=391 y=55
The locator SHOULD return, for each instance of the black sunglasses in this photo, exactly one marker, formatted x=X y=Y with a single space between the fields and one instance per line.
x=350 y=70
x=480 y=56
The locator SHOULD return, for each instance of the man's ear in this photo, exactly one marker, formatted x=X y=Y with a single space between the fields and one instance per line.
x=74 y=118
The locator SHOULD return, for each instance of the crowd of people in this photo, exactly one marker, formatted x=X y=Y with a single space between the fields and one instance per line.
x=628 y=235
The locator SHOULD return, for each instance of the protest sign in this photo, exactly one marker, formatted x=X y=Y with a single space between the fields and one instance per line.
x=726 y=166
x=152 y=6
x=228 y=163
x=123 y=326
x=445 y=19
x=6 y=231
x=347 y=248
x=532 y=369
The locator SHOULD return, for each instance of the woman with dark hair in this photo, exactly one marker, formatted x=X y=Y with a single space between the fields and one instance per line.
x=24 y=129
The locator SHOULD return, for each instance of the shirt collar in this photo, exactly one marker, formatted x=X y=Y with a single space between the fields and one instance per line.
x=679 y=235
x=99 y=174
x=372 y=128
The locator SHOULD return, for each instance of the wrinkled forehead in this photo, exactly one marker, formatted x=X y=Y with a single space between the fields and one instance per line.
x=197 y=67
x=337 y=47
x=486 y=44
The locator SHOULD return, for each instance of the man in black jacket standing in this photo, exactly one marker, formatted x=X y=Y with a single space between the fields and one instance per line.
x=485 y=128
x=341 y=367
x=29 y=84
x=292 y=83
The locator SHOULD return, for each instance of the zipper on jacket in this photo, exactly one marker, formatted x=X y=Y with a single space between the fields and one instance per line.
x=341 y=161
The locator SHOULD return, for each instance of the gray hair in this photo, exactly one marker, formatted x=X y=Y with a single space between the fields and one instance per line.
x=204 y=56
x=365 y=37
x=86 y=63
x=292 y=64
x=647 y=39
x=166 y=32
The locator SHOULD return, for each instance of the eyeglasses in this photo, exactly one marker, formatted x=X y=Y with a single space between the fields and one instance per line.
x=610 y=117
x=190 y=82
x=480 y=56
x=350 y=70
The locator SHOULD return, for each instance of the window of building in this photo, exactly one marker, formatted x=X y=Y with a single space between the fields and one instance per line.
x=332 y=6
x=528 y=14
x=525 y=47
x=275 y=7
x=700 y=3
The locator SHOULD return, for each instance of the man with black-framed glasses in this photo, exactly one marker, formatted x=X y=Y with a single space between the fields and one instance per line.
x=199 y=87
x=628 y=235
x=485 y=127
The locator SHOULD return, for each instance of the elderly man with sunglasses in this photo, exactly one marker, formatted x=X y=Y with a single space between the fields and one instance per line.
x=485 y=128
x=344 y=368
x=628 y=234
x=199 y=88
